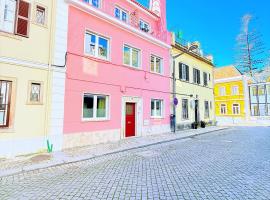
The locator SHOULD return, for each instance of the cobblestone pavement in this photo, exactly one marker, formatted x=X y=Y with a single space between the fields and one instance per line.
x=230 y=164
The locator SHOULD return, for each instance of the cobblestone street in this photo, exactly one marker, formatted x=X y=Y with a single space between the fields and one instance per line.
x=229 y=164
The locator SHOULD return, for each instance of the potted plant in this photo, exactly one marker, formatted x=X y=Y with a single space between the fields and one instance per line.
x=194 y=125
x=203 y=124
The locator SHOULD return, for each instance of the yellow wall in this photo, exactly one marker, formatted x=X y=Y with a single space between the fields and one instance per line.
x=203 y=93
x=230 y=99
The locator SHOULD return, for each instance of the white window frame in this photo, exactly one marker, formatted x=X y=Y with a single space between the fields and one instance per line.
x=144 y=22
x=155 y=64
x=155 y=106
x=121 y=14
x=96 y=46
x=182 y=116
x=223 y=105
x=207 y=114
x=233 y=108
x=131 y=56
x=235 y=90
x=3 y=20
x=91 y=3
x=223 y=89
x=95 y=118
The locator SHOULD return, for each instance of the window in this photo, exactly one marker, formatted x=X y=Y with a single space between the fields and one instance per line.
x=96 y=46
x=223 y=109
x=23 y=18
x=254 y=110
x=40 y=15
x=235 y=90
x=5 y=97
x=156 y=108
x=222 y=91
x=144 y=26
x=261 y=90
x=121 y=14
x=206 y=109
x=254 y=91
x=156 y=64
x=95 y=107
x=96 y=3
x=183 y=72
x=131 y=56
x=7 y=15
x=184 y=109
x=205 y=79
x=196 y=76
x=35 y=92
x=236 y=109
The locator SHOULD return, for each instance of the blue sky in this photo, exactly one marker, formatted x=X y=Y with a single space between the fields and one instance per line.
x=216 y=23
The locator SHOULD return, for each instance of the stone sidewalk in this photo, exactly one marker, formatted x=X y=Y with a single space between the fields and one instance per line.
x=39 y=161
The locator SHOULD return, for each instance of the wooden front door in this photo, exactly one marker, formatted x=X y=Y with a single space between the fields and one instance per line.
x=130 y=119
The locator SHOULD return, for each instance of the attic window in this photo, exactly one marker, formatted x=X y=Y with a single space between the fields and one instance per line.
x=144 y=26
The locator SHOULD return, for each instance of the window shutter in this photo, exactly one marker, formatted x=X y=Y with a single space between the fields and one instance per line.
x=187 y=72
x=199 y=77
x=194 y=75
x=180 y=71
x=23 y=13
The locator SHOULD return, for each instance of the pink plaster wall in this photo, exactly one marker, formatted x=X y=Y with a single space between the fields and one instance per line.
x=87 y=74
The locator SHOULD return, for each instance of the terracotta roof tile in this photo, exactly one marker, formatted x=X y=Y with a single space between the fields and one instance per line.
x=226 y=72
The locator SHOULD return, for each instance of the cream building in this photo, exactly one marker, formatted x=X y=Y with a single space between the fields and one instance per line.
x=193 y=86
x=29 y=53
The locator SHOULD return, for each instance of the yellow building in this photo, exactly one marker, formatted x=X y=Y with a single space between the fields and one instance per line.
x=231 y=96
x=193 y=86
x=28 y=52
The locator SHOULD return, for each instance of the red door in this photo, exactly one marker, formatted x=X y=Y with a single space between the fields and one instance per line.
x=130 y=119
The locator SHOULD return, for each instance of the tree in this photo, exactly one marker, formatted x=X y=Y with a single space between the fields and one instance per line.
x=250 y=48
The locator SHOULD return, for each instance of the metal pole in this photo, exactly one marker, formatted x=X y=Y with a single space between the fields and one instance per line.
x=174 y=96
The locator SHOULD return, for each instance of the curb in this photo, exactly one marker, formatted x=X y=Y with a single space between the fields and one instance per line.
x=57 y=163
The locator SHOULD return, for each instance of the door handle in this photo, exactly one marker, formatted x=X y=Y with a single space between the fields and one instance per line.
x=129 y=122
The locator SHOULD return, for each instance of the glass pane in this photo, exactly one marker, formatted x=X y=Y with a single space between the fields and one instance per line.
x=152 y=63
x=158 y=65
x=88 y=106
x=135 y=58
x=261 y=90
x=158 y=108
x=101 y=107
x=117 y=13
x=40 y=15
x=95 y=3
x=124 y=16
x=152 y=108
x=90 y=43
x=102 y=48
x=129 y=109
x=126 y=55
x=35 y=92
x=9 y=16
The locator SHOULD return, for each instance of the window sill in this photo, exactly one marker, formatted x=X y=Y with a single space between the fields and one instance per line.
x=34 y=103
x=95 y=120
x=156 y=73
x=131 y=67
x=97 y=58
x=153 y=117
x=40 y=25
x=10 y=35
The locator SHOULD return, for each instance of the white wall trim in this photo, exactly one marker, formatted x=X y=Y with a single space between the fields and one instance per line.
x=143 y=10
x=98 y=13
x=25 y=63
x=236 y=78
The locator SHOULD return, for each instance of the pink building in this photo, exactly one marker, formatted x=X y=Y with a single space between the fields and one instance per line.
x=117 y=81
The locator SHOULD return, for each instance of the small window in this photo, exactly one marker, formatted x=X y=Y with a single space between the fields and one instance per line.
x=121 y=14
x=156 y=108
x=185 y=109
x=222 y=91
x=183 y=72
x=23 y=15
x=156 y=64
x=235 y=90
x=95 y=107
x=144 y=26
x=95 y=3
x=223 y=109
x=261 y=90
x=206 y=110
x=40 y=15
x=5 y=101
x=131 y=56
x=35 y=92
x=96 y=46
x=236 y=109
x=205 y=79
x=196 y=76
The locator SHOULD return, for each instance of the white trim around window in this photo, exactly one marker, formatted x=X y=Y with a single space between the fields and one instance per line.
x=222 y=91
x=129 y=60
x=223 y=109
x=235 y=90
x=122 y=13
x=155 y=68
x=92 y=3
x=157 y=108
x=236 y=108
x=93 y=49
x=90 y=108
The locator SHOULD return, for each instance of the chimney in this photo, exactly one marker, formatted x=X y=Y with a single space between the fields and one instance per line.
x=155 y=7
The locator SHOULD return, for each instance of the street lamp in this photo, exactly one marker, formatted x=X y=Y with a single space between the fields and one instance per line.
x=191 y=47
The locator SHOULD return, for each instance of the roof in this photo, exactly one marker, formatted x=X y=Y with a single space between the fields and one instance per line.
x=140 y=5
x=226 y=72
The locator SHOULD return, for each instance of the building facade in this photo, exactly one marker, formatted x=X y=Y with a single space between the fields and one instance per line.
x=27 y=72
x=117 y=81
x=231 y=96
x=193 y=86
